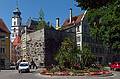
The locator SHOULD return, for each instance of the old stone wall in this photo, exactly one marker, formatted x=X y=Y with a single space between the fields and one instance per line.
x=53 y=39
x=43 y=44
x=36 y=47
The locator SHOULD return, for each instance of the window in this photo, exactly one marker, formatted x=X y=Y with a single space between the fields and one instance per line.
x=2 y=50
x=2 y=38
x=14 y=23
x=78 y=45
x=13 y=35
x=14 y=29
x=70 y=30
x=78 y=38
x=20 y=23
x=78 y=29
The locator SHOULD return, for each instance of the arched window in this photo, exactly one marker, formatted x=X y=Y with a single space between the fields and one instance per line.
x=14 y=22
x=14 y=29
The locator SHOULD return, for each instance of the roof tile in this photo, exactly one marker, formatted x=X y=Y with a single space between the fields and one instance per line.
x=16 y=41
x=3 y=26
x=75 y=20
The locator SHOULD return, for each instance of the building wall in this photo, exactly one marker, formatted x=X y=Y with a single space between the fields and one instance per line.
x=4 y=50
x=53 y=39
x=35 y=46
x=82 y=35
x=43 y=44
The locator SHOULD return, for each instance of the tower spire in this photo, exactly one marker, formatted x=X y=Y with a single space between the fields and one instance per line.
x=16 y=3
x=16 y=22
x=17 y=12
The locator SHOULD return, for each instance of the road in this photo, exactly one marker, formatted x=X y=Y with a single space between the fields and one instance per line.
x=13 y=74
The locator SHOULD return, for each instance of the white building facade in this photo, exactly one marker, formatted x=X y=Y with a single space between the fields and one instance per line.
x=79 y=26
x=16 y=24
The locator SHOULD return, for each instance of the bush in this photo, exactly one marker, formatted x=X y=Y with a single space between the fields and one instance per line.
x=93 y=69
x=54 y=69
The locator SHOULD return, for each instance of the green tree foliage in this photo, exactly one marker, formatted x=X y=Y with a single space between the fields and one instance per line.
x=64 y=53
x=41 y=14
x=104 y=20
x=86 y=56
x=42 y=23
x=105 y=25
x=69 y=54
x=92 y=4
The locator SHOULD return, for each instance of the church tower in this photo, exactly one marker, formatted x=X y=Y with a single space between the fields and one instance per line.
x=16 y=24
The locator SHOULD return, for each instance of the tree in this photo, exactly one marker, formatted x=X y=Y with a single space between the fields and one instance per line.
x=104 y=20
x=41 y=23
x=68 y=53
x=92 y=4
x=105 y=25
x=41 y=14
x=64 y=53
x=86 y=56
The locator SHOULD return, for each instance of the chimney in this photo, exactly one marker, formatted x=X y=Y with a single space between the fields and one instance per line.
x=57 y=24
x=70 y=15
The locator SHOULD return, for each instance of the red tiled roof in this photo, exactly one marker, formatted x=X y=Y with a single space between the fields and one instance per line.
x=16 y=41
x=75 y=20
x=3 y=26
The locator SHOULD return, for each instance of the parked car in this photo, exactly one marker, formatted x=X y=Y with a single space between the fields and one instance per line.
x=115 y=65
x=24 y=67
x=12 y=66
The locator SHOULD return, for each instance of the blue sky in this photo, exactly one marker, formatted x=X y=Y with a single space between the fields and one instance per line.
x=31 y=8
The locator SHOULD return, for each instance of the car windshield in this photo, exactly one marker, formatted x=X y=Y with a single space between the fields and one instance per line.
x=23 y=64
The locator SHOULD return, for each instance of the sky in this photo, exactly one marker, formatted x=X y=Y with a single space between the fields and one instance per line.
x=31 y=8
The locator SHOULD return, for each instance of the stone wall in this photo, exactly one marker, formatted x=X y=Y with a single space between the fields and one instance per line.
x=35 y=46
x=53 y=39
x=43 y=44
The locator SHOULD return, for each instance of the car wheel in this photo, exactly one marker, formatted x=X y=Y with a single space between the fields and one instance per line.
x=111 y=68
x=114 y=69
x=28 y=70
x=19 y=71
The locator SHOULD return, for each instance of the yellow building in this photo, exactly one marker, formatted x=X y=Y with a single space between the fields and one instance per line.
x=4 y=46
